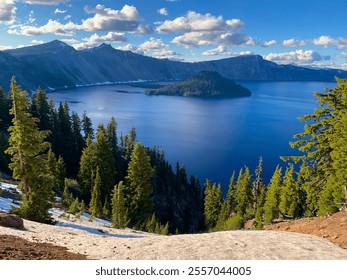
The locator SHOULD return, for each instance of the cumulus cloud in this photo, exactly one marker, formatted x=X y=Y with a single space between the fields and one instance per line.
x=340 y=42
x=58 y=11
x=194 y=21
x=105 y=19
x=95 y=40
x=293 y=43
x=205 y=29
x=7 y=11
x=45 y=2
x=220 y=50
x=131 y=48
x=163 y=12
x=36 y=42
x=3 y=48
x=269 y=43
x=52 y=26
x=300 y=57
x=157 y=48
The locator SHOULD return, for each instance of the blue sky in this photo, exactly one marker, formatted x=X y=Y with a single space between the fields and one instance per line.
x=306 y=32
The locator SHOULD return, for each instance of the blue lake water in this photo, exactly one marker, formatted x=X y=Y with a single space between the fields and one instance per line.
x=212 y=137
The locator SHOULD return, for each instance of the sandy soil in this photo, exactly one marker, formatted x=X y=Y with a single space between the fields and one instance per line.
x=98 y=242
x=16 y=248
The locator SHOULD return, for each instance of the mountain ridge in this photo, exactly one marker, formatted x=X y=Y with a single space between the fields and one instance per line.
x=56 y=65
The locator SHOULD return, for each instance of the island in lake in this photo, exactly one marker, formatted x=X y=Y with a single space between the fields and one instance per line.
x=203 y=84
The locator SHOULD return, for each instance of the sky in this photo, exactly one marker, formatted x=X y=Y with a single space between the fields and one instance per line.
x=308 y=33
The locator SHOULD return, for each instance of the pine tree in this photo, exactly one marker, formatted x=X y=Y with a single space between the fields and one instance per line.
x=120 y=217
x=87 y=167
x=243 y=195
x=259 y=214
x=87 y=127
x=106 y=163
x=257 y=184
x=28 y=151
x=4 y=111
x=323 y=143
x=272 y=200
x=73 y=209
x=212 y=204
x=291 y=198
x=139 y=177
x=40 y=109
x=106 y=207
x=95 y=206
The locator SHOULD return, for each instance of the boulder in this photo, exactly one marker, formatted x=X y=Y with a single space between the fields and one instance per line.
x=11 y=220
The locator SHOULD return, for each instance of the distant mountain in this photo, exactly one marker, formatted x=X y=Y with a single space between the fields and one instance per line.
x=58 y=65
x=203 y=84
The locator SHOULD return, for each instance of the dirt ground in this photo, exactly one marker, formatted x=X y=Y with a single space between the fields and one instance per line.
x=333 y=227
x=16 y=248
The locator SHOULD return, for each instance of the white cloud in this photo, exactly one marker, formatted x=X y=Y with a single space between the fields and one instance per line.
x=58 y=11
x=36 y=42
x=52 y=26
x=67 y=17
x=125 y=20
x=340 y=42
x=95 y=40
x=105 y=19
x=269 y=43
x=194 y=21
x=7 y=11
x=205 y=29
x=300 y=57
x=3 y=48
x=131 y=48
x=70 y=41
x=157 y=48
x=293 y=43
x=45 y=2
x=163 y=12
x=220 y=50
x=196 y=39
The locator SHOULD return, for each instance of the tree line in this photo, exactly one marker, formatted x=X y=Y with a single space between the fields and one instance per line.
x=55 y=152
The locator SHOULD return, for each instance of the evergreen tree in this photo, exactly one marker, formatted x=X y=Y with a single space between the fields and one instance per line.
x=323 y=144
x=95 y=206
x=212 y=204
x=106 y=207
x=73 y=209
x=259 y=214
x=78 y=142
x=40 y=109
x=28 y=151
x=139 y=177
x=231 y=192
x=87 y=126
x=106 y=163
x=291 y=198
x=257 y=184
x=4 y=111
x=119 y=210
x=243 y=195
x=111 y=137
x=87 y=167
x=272 y=199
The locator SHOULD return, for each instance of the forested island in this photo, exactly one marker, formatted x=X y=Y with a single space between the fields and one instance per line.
x=54 y=152
x=203 y=84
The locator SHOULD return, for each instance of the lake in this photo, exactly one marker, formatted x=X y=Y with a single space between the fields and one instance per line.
x=211 y=137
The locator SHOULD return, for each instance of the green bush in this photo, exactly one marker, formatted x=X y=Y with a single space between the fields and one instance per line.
x=234 y=223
